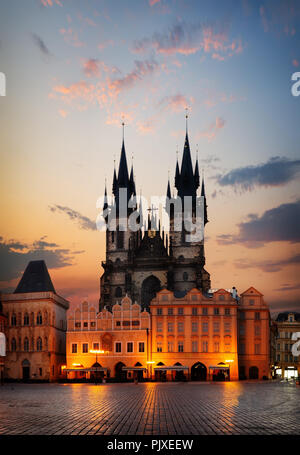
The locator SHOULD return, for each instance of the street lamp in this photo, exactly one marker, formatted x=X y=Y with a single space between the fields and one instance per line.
x=96 y=351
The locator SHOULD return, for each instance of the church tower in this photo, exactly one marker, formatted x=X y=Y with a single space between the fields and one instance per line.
x=120 y=240
x=188 y=253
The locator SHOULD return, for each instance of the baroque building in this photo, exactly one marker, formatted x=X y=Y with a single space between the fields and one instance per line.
x=286 y=365
x=140 y=263
x=36 y=327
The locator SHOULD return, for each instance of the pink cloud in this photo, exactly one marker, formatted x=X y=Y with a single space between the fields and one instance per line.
x=71 y=37
x=211 y=132
x=176 y=103
x=153 y=2
x=62 y=113
x=187 y=39
x=296 y=62
x=50 y=2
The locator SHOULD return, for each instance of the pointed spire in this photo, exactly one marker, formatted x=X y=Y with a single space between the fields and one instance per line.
x=187 y=185
x=196 y=173
x=131 y=180
x=177 y=173
x=123 y=178
x=203 y=194
x=169 y=190
x=115 y=183
x=105 y=204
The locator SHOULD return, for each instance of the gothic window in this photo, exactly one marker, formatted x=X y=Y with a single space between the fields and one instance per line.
x=39 y=344
x=26 y=319
x=26 y=344
x=118 y=292
x=13 y=345
x=14 y=319
x=39 y=318
x=150 y=287
x=185 y=276
x=113 y=237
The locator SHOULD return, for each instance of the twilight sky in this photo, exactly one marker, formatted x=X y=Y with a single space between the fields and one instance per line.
x=75 y=68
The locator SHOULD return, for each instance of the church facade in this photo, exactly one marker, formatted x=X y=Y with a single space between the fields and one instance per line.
x=141 y=263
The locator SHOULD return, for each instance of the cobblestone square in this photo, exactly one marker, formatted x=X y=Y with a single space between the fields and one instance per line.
x=239 y=408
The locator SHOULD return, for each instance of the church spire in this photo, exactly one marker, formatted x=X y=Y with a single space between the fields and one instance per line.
x=186 y=186
x=203 y=194
x=196 y=173
x=123 y=178
x=105 y=204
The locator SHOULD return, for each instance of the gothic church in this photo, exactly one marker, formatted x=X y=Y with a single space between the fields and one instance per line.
x=141 y=263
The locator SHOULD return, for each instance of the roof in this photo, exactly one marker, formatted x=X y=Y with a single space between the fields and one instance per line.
x=282 y=317
x=36 y=278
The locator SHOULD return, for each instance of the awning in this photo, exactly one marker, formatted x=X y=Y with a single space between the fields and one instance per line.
x=134 y=369
x=174 y=367
x=85 y=369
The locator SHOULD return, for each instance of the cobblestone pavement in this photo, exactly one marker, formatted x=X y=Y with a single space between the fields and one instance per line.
x=150 y=408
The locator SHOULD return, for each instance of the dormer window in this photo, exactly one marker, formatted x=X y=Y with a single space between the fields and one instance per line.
x=291 y=318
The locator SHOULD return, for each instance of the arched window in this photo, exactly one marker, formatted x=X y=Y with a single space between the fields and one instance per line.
x=39 y=344
x=118 y=292
x=13 y=319
x=32 y=344
x=46 y=343
x=26 y=344
x=39 y=318
x=185 y=276
x=26 y=319
x=13 y=345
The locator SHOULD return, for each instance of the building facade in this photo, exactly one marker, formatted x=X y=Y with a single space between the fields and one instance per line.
x=3 y=324
x=196 y=331
x=140 y=263
x=36 y=327
x=185 y=336
x=286 y=365
x=108 y=344
x=253 y=336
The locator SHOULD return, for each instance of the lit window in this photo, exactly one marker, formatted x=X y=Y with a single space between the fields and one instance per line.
x=39 y=345
x=205 y=327
x=170 y=346
x=194 y=327
x=180 y=327
x=159 y=327
x=170 y=327
x=180 y=346
x=194 y=346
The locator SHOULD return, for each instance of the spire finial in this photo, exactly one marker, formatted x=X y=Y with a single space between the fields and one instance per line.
x=186 y=119
x=123 y=125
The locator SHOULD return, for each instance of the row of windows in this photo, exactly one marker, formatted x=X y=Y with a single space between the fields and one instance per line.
x=180 y=311
x=242 y=348
x=242 y=330
x=242 y=315
x=286 y=358
x=38 y=345
x=125 y=323
x=194 y=297
x=195 y=346
x=195 y=327
x=285 y=347
x=118 y=347
x=26 y=320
